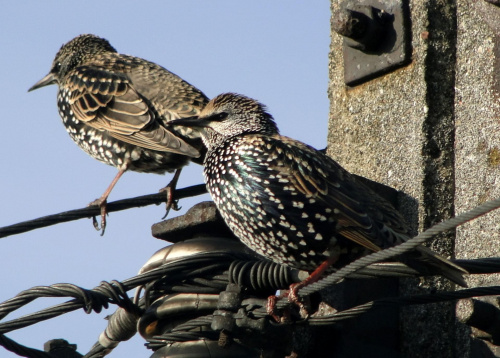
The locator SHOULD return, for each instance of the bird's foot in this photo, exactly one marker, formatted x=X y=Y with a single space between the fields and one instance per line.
x=170 y=189
x=171 y=202
x=293 y=298
x=102 y=203
x=273 y=312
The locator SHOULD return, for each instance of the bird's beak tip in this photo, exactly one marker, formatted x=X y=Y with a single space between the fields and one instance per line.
x=47 y=80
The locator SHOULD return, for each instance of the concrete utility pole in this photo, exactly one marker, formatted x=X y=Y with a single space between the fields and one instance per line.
x=429 y=128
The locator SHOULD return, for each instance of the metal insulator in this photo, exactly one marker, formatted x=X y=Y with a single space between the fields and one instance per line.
x=170 y=311
x=205 y=348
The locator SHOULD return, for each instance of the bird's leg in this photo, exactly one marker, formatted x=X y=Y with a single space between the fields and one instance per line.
x=293 y=296
x=313 y=277
x=102 y=202
x=170 y=189
x=271 y=309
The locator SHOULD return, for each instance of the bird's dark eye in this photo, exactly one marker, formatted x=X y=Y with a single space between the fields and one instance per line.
x=57 y=67
x=218 y=116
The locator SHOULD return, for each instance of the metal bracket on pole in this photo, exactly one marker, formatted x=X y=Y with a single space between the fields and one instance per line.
x=376 y=37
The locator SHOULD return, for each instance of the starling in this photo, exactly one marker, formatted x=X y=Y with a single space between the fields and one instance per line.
x=291 y=203
x=115 y=107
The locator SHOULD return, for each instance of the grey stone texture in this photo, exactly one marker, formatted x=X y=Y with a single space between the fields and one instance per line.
x=431 y=130
x=477 y=141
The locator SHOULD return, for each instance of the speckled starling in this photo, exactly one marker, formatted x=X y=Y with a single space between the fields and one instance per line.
x=291 y=203
x=115 y=108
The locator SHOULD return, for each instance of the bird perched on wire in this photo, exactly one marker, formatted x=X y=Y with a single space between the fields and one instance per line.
x=291 y=203
x=115 y=108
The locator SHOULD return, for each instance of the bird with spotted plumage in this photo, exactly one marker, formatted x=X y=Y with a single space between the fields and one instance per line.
x=291 y=203
x=115 y=107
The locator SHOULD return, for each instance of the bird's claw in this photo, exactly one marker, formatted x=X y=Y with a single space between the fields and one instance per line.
x=271 y=310
x=174 y=205
x=293 y=298
x=102 y=204
x=171 y=202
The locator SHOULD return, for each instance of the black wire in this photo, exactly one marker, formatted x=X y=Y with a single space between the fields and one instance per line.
x=194 y=323
x=353 y=312
x=184 y=332
x=92 y=211
x=480 y=266
x=101 y=296
x=181 y=269
x=405 y=301
x=160 y=341
x=21 y=350
x=114 y=293
x=90 y=300
x=97 y=351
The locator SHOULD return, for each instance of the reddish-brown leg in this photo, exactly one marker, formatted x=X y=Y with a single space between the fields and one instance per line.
x=170 y=189
x=313 y=277
x=102 y=202
x=295 y=287
x=271 y=307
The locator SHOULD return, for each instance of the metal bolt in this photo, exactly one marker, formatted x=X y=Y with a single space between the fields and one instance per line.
x=363 y=27
x=349 y=23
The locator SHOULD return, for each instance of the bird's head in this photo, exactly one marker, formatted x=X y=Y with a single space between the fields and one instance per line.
x=72 y=54
x=229 y=115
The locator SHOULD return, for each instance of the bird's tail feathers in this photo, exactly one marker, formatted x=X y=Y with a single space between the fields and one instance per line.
x=442 y=266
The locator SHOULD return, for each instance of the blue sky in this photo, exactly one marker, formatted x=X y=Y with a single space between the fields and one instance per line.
x=274 y=51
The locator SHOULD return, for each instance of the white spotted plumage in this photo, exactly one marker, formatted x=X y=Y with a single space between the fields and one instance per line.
x=289 y=202
x=116 y=108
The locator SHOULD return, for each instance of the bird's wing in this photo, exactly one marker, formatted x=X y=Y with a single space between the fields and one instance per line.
x=360 y=214
x=172 y=96
x=107 y=101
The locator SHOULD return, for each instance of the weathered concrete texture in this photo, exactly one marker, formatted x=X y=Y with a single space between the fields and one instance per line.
x=477 y=112
x=399 y=130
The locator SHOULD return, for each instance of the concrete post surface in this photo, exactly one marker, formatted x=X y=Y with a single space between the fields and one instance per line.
x=431 y=131
x=477 y=138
